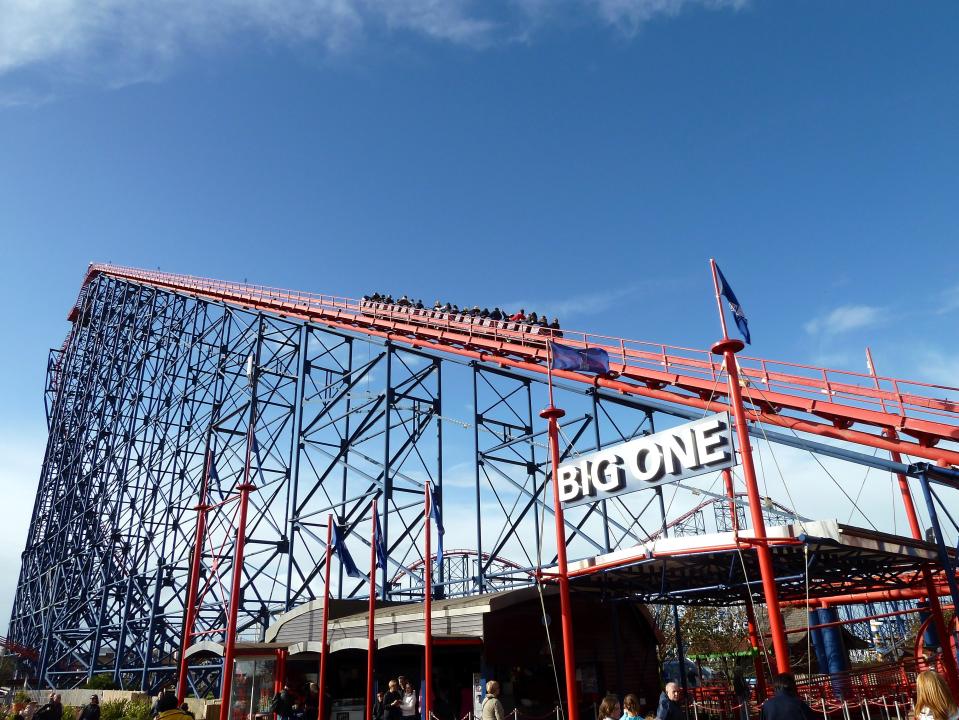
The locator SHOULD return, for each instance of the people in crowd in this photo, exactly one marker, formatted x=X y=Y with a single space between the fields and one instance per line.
x=282 y=704
x=533 y=318
x=90 y=711
x=518 y=316
x=785 y=704
x=609 y=709
x=391 y=700
x=669 y=707
x=30 y=710
x=408 y=700
x=492 y=707
x=631 y=708
x=168 y=708
x=934 y=701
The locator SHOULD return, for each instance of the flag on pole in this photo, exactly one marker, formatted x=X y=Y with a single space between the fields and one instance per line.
x=594 y=359
x=738 y=315
x=343 y=554
x=435 y=513
x=380 y=542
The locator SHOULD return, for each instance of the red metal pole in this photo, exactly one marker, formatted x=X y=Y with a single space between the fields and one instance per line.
x=733 y=518
x=758 y=657
x=324 y=646
x=553 y=414
x=370 y=634
x=728 y=349
x=279 y=677
x=229 y=651
x=427 y=614
x=194 y=584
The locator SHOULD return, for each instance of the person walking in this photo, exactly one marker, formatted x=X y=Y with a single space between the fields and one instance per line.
x=51 y=710
x=91 y=711
x=631 y=707
x=933 y=699
x=609 y=709
x=669 y=708
x=492 y=707
x=786 y=704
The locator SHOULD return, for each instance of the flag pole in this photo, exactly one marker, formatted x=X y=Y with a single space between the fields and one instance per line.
x=552 y=414
x=427 y=612
x=370 y=635
x=324 y=647
x=719 y=302
x=728 y=347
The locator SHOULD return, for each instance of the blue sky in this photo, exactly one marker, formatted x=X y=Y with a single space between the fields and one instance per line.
x=584 y=157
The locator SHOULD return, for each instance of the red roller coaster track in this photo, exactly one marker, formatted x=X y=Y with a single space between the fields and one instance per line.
x=854 y=407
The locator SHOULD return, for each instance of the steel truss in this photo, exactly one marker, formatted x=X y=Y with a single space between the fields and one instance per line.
x=162 y=404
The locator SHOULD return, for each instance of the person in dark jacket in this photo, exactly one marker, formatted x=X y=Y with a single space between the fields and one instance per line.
x=669 y=707
x=379 y=709
x=786 y=704
x=51 y=710
x=282 y=704
x=91 y=711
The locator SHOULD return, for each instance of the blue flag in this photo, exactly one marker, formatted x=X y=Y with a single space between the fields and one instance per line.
x=343 y=554
x=438 y=519
x=594 y=359
x=380 y=543
x=727 y=292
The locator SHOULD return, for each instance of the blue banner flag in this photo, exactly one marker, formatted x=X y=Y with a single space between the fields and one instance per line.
x=438 y=519
x=594 y=359
x=343 y=554
x=727 y=292
x=380 y=542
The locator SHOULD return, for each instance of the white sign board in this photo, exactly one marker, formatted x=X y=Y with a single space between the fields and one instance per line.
x=681 y=452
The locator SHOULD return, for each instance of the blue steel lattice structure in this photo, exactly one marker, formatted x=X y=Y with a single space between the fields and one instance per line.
x=166 y=396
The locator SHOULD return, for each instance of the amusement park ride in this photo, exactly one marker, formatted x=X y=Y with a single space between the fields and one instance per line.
x=201 y=431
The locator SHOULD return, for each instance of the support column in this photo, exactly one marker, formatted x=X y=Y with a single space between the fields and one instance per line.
x=728 y=349
x=552 y=414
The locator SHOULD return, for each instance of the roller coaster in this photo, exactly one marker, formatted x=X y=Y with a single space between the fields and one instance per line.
x=200 y=431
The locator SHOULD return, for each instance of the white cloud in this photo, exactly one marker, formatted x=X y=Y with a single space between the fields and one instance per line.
x=845 y=318
x=123 y=41
x=629 y=15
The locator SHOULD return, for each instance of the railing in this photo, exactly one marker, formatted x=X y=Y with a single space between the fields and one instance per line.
x=773 y=384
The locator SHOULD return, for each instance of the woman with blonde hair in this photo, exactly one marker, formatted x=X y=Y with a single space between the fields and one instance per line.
x=933 y=699
x=492 y=707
